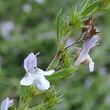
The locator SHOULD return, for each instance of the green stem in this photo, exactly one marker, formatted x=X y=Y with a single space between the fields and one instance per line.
x=66 y=38
x=86 y=5
x=54 y=60
x=77 y=42
x=60 y=51
x=39 y=92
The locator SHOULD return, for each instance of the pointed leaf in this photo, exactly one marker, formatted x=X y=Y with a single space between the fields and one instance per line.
x=86 y=4
x=90 y=8
x=59 y=26
x=63 y=73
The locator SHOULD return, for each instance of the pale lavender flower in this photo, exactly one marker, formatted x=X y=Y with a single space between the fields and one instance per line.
x=88 y=82
x=107 y=100
x=35 y=75
x=84 y=53
x=40 y=1
x=6 y=103
x=6 y=27
x=69 y=42
x=27 y=8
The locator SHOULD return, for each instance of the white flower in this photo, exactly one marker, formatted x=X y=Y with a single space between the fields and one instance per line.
x=6 y=103
x=84 y=53
x=35 y=75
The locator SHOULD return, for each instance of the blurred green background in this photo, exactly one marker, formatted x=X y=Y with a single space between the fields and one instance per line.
x=30 y=26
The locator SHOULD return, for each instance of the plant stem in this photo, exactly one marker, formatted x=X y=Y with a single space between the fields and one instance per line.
x=60 y=51
x=79 y=37
x=54 y=60
x=81 y=41
x=66 y=38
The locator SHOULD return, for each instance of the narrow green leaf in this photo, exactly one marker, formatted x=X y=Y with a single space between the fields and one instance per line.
x=12 y=108
x=25 y=94
x=75 y=20
x=63 y=73
x=59 y=26
x=82 y=5
x=23 y=89
x=90 y=8
x=86 y=4
x=107 y=1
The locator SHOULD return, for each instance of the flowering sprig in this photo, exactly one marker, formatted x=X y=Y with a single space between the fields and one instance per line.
x=64 y=63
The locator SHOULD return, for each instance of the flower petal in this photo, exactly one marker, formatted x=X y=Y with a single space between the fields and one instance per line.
x=80 y=59
x=42 y=83
x=6 y=103
x=11 y=102
x=39 y=71
x=84 y=53
x=45 y=73
x=50 y=72
x=27 y=80
x=91 y=64
x=30 y=63
x=88 y=45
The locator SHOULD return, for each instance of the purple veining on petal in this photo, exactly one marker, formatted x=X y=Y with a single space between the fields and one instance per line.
x=30 y=63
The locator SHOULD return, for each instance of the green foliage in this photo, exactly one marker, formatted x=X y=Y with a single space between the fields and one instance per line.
x=75 y=20
x=63 y=73
x=104 y=5
x=26 y=95
x=85 y=4
x=95 y=7
x=107 y=1
x=35 y=31
x=85 y=96
x=90 y=9
x=12 y=108
x=59 y=28
x=62 y=27
x=51 y=99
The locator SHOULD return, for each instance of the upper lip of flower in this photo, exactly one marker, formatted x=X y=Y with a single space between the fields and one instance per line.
x=30 y=63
